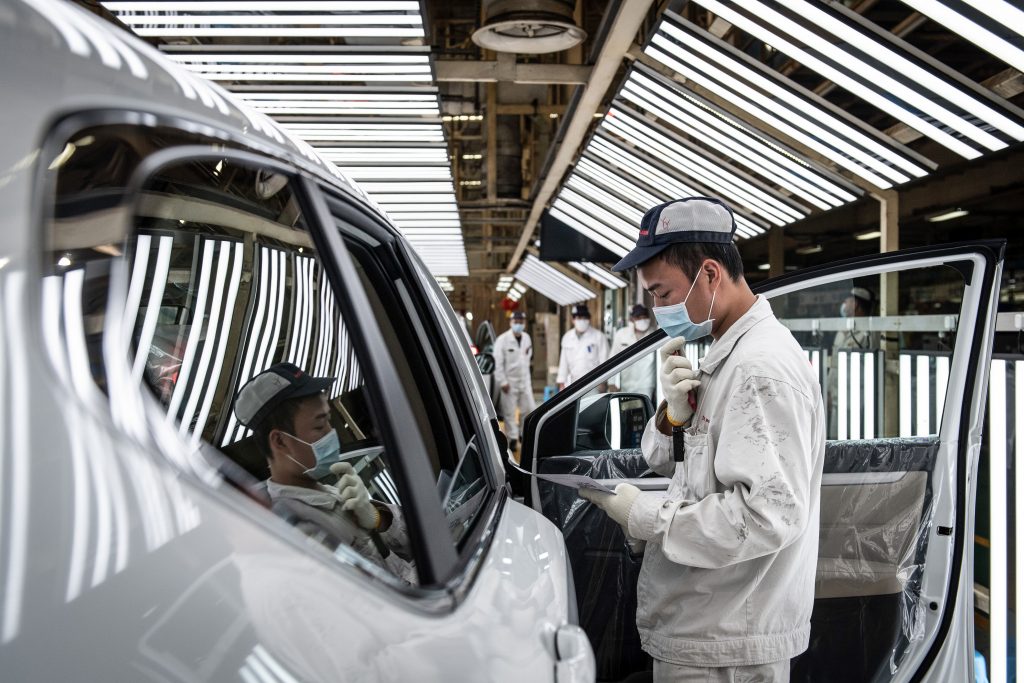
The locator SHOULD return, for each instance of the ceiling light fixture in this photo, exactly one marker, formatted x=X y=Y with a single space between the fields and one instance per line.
x=869 y=235
x=947 y=215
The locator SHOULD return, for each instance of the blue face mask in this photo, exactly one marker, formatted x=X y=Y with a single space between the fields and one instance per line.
x=675 y=319
x=517 y=328
x=325 y=450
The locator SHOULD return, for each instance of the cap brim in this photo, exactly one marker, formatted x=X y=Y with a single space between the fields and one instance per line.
x=639 y=256
x=313 y=386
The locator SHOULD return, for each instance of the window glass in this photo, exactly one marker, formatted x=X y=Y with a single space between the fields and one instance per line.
x=881 y=346
x=225 y=285
x=449 y=433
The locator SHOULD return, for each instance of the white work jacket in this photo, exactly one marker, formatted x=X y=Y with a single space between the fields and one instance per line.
x=581 y=353
x=512 y=359
x=641 y=376
x=728 y=572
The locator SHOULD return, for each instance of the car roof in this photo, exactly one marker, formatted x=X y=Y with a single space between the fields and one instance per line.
x=59 y=60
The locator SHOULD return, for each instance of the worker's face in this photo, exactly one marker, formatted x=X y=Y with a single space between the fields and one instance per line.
x=669 y=285
x=849 y=307
x=312 y=423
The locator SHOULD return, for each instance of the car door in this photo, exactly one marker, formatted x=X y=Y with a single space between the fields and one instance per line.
x=904 y=391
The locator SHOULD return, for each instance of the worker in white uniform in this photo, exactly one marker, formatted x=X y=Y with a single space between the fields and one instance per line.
x=641 y=376
x=727 y=583
x=513 y=353
x=855 y=309
x=583 y=348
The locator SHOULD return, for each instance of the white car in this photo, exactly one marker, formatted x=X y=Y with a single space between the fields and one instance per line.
x=161 y=245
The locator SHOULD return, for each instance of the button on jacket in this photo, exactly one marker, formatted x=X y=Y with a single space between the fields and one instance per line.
x=728 y=572
x=581 y=353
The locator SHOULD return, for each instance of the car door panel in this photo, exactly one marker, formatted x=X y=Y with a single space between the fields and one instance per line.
x=605 y=569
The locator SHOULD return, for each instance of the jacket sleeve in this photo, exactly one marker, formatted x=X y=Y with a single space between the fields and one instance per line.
x=396 y=536
x=563 y=365
x=765 y=461
x=657 y=448
x=602 y=349
x=500 y=372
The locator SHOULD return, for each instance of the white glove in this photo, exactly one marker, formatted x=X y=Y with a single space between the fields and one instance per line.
x=616 y=505
x=677 y=381
x=354 y=496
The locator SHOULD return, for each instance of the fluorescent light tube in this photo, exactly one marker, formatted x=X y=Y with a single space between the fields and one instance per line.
x=947 y=215
x=879 y=99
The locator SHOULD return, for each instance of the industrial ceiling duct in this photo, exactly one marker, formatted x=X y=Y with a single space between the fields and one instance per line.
x=528 y=26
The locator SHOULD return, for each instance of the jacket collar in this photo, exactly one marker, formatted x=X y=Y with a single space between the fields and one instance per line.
x=321 y=497
x=722 y=347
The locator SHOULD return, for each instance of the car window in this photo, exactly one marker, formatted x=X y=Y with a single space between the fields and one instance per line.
x=883 y=364
x=222 y=280
x=410 y=336
x=230 y=283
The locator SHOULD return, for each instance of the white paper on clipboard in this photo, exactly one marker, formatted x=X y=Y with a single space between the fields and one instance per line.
x=573 y=481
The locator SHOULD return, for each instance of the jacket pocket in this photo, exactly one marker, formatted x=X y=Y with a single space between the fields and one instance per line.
x=696 y=464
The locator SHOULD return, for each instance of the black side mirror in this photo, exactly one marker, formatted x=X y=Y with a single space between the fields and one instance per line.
x=612 y=421
x=518 y=482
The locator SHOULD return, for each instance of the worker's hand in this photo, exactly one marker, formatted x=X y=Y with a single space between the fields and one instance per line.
x=561 y=385
x=616 y=505
x=612 y=389
x=354 y=496
x=506 y=387
x=677 y=381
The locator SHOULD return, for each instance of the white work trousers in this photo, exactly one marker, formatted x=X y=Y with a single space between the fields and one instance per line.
x=776 y=672
x=519 y=396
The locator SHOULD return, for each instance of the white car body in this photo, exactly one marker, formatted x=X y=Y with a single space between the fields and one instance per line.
x=119 y=558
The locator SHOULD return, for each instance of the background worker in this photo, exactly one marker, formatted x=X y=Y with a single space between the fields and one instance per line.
x=641 y=376
x=513 y=354
x=583 y=348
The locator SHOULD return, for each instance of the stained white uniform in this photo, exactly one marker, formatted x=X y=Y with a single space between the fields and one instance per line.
x=512 y=357
x=728 y=572
x=581 y=353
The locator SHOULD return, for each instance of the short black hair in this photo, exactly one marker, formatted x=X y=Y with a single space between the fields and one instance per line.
x=690 y=255
x=281 y=417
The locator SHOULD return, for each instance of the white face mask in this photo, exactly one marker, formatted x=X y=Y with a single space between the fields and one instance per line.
x=642 y=325
x=581 y=325
x=325 y=451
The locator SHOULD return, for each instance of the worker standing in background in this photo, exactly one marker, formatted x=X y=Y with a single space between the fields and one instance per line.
x=640 y=377
x=583 y=348
x=513 y=354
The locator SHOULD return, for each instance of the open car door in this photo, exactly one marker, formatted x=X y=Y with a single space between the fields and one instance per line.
x=904 y=390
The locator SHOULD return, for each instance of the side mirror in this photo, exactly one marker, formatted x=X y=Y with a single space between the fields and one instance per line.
x=518 y=482
x=485 y=361
x=612 y=421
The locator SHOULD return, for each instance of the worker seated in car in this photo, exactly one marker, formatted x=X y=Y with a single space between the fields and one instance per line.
x=288 y=411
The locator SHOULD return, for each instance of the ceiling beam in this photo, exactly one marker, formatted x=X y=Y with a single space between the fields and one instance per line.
x=507 y=70
x=628 y=20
